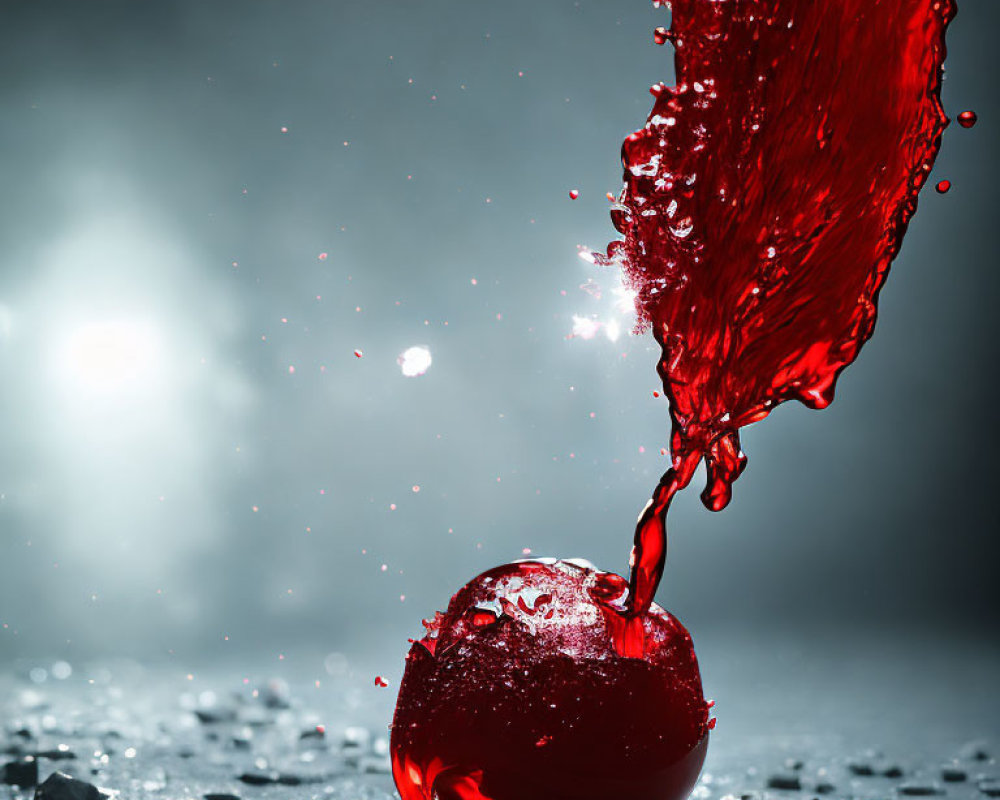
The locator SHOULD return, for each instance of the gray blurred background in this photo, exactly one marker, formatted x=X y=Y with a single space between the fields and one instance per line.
x=208 y=207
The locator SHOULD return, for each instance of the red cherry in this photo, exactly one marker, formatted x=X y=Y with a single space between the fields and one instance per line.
x=517 y=693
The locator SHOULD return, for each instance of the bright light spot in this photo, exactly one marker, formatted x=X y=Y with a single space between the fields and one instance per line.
x=585 y=327
x=612 y=330
x=111 y=357
x=625 y=302
x=414 y=361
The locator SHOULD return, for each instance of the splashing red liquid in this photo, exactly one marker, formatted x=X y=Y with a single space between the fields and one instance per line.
x=764 y=200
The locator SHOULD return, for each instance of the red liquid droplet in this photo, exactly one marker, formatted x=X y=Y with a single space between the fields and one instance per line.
x=574 y=193
x=761 y=212
x=967 y=119
x=358 y=354
x=942 y=186
x=660 y=35
x=513 y=709
x=380 y=681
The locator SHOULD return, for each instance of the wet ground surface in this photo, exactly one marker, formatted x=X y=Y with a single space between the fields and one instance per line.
x=909 y=719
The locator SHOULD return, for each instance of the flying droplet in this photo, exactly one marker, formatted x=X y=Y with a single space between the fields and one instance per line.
x=358 y=354
x=574 y=193
x=660 y=35
x=967 y=119
x=380 y=681
x=942 y=186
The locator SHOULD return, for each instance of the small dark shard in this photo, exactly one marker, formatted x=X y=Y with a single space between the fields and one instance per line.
x=259 y=778
x=990 y=787
x=825 y=788
x=221 y=797
x=241 y=743
x=861 y=769
x=62 y=787
x=789 y=782
x=953 y=775
x=213 y=716
x=793 y=764
x=23 y=773
x=185 y=752
x=975 y=751
x=893 y=772
x=313 y=733
x=59 y=754
x=920 y=789
x=289 y=779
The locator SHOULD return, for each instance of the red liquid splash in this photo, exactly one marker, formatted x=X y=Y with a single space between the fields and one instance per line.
x=764 y=200
x=516 y=693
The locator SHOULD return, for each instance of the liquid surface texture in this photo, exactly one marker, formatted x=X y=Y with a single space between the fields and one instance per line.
x=517 y=693
x=764 y=201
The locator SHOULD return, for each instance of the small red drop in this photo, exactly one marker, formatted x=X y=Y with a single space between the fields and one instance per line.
x=660 y=36
x=942 y=186
x=967 y=119
x=574 y=193
x=380 y=681
x=358 y=354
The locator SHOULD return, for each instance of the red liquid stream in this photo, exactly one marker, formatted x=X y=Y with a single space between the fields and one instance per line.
x=764 y=201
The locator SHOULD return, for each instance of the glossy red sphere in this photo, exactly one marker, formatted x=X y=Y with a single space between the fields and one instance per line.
x=517 y=693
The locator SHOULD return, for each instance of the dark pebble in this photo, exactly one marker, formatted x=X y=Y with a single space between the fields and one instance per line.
x=919 y=789
x=22 y=773
x=56 y=755
x=893 y=772
x=861 y=769
x=952 y=775
x=259 y=778
x=276 y=694
x=825 y=788
x=62 y=787
x=793 y=764
x=975 y=751
x=790 y=782
x=212 y=716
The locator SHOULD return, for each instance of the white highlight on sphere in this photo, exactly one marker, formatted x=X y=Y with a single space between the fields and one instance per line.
x=414 y=361
x=110 y=356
